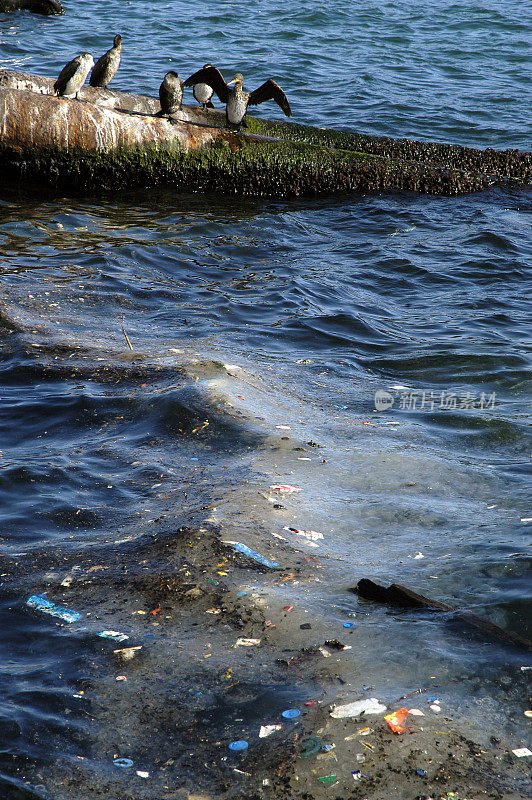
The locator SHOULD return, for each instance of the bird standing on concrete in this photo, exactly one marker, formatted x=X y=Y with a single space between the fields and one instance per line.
x=236 y=99
x=170 y=94
x=107 y=65
x=73 y=76
x=203 y=92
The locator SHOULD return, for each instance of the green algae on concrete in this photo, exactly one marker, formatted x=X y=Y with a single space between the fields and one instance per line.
x=236 y=166
x=113 y=140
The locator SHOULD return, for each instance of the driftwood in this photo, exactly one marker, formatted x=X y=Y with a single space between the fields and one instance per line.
x=403 y=597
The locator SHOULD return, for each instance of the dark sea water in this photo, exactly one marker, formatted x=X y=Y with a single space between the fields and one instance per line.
x=315 y=305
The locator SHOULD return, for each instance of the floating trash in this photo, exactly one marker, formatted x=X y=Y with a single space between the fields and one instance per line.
x=247 y=551
x=267 y=730
x=313 y=536
x=241 y=594
x=125 y=763
x=421 y=772
x=242 y=642
x=238 y=745
x=521 y=752
x=115 y=635
x=310 y=746
x=349 y=624
x=395 y=720
x=291 y=713
x=328 y=779
x=357 y=775
x=127 y=653
x=416 y=712
x=369 y=706
x=47 y=607
x=435 y=708
x=142 y=774
x=284 y=488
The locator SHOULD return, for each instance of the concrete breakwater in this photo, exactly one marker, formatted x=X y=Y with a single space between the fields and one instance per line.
x=112 y=140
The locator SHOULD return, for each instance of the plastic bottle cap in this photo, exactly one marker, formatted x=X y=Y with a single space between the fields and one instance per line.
x=240 y=744
x=290 y=713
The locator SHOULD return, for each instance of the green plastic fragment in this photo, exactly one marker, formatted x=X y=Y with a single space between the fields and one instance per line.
x=328 y=779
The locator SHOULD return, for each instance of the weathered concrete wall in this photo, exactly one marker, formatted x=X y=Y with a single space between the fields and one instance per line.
x=112 y=140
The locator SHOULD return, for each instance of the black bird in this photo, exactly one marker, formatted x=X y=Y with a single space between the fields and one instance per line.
x=170 y=94
x=107 y=65
x=73 y=76
x=236 y=99
x=203 y=92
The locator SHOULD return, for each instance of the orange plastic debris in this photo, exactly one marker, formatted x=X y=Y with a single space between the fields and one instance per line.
x=395 y=720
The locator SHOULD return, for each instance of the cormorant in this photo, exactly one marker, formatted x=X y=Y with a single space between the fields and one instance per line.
x=73 y=76
x=203 y=92
x=107 y=65
x=236 y=99
x=170 y=94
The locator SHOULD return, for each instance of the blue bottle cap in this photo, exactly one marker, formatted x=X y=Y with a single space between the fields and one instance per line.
x=349 y=624
x=240 y=744
x=290 y=713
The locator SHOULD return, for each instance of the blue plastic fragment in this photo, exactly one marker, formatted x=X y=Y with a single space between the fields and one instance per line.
x=247 y=551
x=349 y=624
x=115 y=635
x=342 y=408
x=240 y=744
x=421 y=772
x=241 y=594
x=123 y=762
x=291 y=713
x=47 y=607
x=433 y=699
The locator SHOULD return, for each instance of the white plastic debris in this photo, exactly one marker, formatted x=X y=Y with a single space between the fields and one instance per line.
x=521 y=752
x=416 y=712
x=435 y=708
x=325 y=653
x=246 y=642
x=142 y=774
x=419 y=555
x=127 y=653
x=267 y=730
x=312 y=535
x=369 y=706
x=526 y=519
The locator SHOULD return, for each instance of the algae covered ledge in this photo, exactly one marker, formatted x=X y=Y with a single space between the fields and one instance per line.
x=112 y=140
